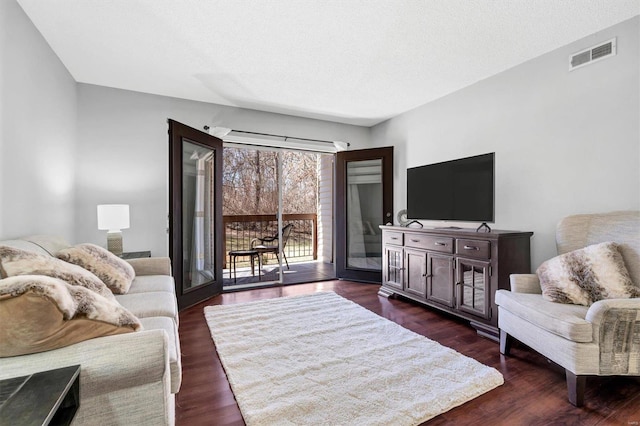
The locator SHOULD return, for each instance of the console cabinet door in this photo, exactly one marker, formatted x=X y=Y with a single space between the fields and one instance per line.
x=415 y=264
x=440 y=279
x=473 y=282
x=393 y=268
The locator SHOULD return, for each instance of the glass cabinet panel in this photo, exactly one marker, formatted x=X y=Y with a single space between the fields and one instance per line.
x=394 y=267
x=473 y=282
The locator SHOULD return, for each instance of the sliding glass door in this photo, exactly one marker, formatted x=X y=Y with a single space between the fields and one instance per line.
x=252 y=225
x=278 y=216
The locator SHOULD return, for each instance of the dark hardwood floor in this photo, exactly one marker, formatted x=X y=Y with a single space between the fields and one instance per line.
x=534 y=392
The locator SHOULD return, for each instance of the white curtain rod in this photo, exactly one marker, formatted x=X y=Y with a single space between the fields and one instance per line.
x=267 y=139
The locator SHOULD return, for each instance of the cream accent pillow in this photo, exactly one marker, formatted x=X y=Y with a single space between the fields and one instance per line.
x=40 y=313
x=584 y=276
x=15 y=261
x=116 y=273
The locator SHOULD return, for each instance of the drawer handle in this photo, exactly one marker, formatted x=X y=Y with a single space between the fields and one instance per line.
x=471 y=248
x=415 y=241
x=438 y=243
x=394 y=238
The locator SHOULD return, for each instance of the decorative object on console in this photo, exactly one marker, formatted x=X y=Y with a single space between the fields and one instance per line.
x=113 y=218
x=584 y=276
x=402 y=217
x=116 y=273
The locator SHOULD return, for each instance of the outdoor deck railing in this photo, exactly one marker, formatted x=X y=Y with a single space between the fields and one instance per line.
x=239 y=230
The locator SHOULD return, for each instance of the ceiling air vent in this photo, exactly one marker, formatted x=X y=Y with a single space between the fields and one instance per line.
x=592 y=54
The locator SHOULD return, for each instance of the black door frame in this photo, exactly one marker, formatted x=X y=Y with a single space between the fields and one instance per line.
x=343 y=271
x=177 y=133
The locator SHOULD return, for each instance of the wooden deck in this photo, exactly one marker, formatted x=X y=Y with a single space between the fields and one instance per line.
x=302 y=272
x=534 y=392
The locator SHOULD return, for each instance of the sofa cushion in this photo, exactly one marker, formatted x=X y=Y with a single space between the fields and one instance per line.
x=39 y=313
x=169 y=326
x=149 y=283
x=116 y=273
x=567 y=321
x=51 y=243
x=151 y=265
x=14 y=261
x=587 y=275
x=26 y=246
x=151 y=304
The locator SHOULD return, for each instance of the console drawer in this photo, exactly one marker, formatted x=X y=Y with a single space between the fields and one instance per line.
x=473 y=248
x=429 y=242
x=395 y=238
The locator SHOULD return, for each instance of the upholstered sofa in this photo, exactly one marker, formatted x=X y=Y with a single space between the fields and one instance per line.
x=598 y=339
x=125 y=379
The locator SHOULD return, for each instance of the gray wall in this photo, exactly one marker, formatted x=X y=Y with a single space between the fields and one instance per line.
x=37 y=132
x=123 y=154
x=565 y=142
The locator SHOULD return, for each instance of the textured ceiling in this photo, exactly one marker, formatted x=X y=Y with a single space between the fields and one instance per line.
x=351 y=61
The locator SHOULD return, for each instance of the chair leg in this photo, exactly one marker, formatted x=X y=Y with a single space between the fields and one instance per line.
x=285 y=259
x=505 y=342
x=575 y=387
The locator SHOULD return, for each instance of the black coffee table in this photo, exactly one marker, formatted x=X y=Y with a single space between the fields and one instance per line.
x=46 y=398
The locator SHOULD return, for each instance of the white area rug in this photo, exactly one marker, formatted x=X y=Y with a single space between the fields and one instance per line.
x=320 y=359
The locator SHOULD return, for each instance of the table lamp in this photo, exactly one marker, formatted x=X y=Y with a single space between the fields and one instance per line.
x=113 y=218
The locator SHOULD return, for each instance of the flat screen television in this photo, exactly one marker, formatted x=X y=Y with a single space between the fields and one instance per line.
x=457 y=190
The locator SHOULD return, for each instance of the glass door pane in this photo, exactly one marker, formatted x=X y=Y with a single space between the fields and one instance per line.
x=197 y=215
x=364 y=196
x=250 y=213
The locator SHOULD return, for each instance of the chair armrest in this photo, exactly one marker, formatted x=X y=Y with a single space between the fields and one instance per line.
x=151 y=265
x=525 y=283
x=615 y=330
x=599 y=311
x=107 y=363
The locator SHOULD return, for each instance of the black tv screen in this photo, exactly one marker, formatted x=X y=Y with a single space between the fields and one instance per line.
x=457 y=190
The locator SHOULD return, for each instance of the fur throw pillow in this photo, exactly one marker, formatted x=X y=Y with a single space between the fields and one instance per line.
x=584 y=276
x=40 y=313
x=15 y=261
x=116 y=273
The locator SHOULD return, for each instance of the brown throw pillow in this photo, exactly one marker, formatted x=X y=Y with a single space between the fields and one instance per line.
x=116 y=273
x=584 y=276
x=40 y=313
x=15 y=261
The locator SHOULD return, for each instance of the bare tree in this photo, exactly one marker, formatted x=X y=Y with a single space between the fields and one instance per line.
x=250 y=182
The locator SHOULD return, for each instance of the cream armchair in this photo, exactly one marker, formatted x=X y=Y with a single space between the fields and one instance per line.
x=598 y=340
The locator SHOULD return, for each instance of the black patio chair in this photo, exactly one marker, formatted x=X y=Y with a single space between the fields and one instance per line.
x=271 y=245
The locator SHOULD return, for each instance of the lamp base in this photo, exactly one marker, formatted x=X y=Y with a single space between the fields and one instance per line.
x=114 y=242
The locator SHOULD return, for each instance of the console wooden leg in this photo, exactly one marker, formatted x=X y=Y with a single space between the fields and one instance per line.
x=385 y=292
x=505 y=343
x=575 y=387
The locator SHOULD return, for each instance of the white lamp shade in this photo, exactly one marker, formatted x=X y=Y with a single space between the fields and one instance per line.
x=113 y=217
